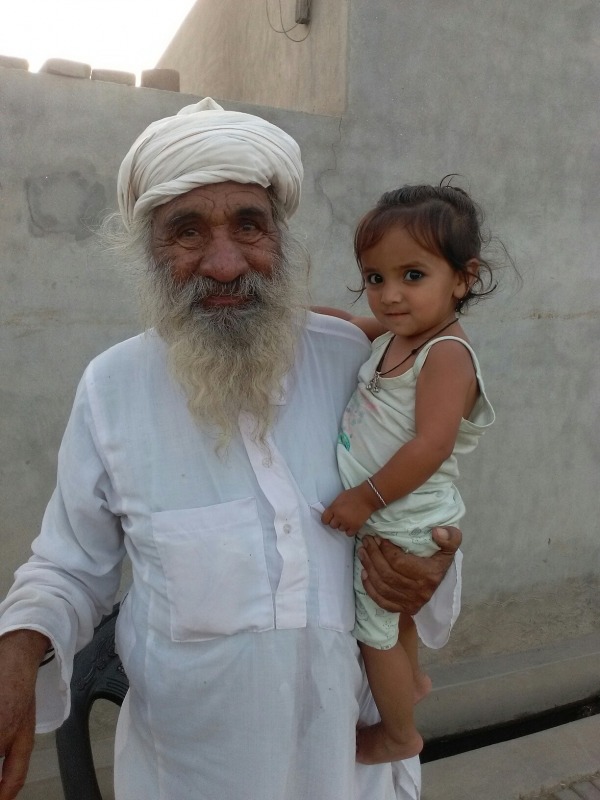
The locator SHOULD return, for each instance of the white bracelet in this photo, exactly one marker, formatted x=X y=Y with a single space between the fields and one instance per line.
x=379 y=497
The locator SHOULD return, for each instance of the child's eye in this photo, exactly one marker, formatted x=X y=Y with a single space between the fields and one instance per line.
x=413 y=275
x=373 y=278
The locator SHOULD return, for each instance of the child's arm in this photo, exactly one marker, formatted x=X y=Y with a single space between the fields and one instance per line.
x=368 y=325
x=446 y=391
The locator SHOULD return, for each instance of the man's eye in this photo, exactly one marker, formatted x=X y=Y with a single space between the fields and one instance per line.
x=373 y=278
x=188 y=233
x=413 y=275
x=249 y=231
x=190 y=238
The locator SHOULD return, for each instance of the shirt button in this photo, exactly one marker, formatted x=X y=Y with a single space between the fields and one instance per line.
x=287 y=528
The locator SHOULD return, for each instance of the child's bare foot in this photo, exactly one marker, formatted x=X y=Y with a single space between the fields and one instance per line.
x=422 y=684
x=375 y=746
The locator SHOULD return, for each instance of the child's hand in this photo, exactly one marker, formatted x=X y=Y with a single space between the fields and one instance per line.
x=350 y=510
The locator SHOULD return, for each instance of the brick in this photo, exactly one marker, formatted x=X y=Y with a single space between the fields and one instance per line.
x=14 y=63
x=161 y=79
x=113 y=76
x=70 y=69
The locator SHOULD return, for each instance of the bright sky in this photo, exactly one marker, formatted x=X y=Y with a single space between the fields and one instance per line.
x=128 y=35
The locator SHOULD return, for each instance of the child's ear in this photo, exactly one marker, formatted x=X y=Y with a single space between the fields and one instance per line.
x=468 y=277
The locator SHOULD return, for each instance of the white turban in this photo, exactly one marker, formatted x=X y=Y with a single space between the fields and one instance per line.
x=204 y=144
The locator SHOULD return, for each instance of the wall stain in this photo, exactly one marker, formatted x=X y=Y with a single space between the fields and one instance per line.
x=68 y=201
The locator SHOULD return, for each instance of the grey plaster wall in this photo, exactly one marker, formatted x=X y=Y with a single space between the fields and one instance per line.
x=504 y=93
x=61 y=301
x=262 y=56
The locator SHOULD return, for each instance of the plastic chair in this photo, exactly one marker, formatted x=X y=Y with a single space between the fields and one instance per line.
x=97 y=673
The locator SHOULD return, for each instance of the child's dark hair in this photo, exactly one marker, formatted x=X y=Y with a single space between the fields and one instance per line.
x=443 y=219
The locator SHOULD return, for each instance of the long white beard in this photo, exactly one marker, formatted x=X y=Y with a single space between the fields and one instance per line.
x=233 y=358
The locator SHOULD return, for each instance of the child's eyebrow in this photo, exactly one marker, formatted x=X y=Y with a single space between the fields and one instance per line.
x=401 y=267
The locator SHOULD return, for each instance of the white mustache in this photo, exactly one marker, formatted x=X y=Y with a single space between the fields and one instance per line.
x=189 y=294
x=244 y=286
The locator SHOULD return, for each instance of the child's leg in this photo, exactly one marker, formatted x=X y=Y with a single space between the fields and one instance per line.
x=410 y=643
x=391 y=681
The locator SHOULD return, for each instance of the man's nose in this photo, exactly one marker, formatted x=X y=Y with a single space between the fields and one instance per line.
x=223 y=259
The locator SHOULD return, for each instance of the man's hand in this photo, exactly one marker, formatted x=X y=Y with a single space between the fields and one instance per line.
x=20 y=655
x=400 y=582
x=17 y=755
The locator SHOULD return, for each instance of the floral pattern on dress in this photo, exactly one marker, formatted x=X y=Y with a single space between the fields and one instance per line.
x=354 y=414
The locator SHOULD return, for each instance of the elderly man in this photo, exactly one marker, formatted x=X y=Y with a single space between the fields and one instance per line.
x=204 y=449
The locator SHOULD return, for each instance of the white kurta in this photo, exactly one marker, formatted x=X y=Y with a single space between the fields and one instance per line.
x=245 y=681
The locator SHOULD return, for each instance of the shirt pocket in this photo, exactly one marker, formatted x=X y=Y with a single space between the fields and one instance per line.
x=334 y=552
x=215 y=570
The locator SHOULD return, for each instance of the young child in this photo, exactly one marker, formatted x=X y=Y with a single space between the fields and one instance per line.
x=419 y=402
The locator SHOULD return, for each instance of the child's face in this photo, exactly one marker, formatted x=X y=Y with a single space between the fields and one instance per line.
x=410 y=290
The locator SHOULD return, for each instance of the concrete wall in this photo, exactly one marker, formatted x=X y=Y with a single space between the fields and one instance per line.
x=254 y=52
x=504 y=93
x=61 y=140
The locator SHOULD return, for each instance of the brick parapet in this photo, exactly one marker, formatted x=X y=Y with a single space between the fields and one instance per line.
x=165 y=79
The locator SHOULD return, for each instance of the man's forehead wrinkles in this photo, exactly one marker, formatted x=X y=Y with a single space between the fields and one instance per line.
x=181 y=207
x=183 y=215
x=179 y=215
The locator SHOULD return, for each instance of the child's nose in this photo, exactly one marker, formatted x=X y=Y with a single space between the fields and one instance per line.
x=391 y=294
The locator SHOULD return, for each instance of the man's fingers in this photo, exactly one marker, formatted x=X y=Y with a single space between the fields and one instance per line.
x=16 y=761
x=379 y=580
x=399 y=581
x=390 y=601
x=373 y=561
x=447 y=539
